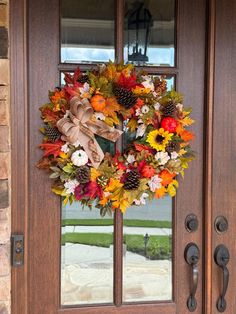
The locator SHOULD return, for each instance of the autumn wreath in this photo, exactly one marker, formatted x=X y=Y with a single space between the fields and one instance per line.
x=94 y=105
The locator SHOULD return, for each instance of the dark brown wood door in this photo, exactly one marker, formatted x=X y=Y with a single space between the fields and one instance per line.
x=36 y=67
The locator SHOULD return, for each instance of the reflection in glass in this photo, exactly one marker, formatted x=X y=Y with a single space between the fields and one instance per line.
x=87 y=31
x=150 y=32
x=148 y=252
x=86 y=256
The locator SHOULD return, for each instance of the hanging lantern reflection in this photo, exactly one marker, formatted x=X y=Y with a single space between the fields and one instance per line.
x=139 y=23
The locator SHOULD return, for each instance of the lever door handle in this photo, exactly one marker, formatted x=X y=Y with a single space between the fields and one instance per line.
x=222 y=257
x=192 y=255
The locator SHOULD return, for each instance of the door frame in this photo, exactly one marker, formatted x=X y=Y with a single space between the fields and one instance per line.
x=20 y=171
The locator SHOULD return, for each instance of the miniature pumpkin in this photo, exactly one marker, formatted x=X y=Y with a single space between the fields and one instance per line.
x=98 y=102
x=147 y=171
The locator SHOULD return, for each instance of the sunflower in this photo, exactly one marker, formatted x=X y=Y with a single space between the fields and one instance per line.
x=158 y=139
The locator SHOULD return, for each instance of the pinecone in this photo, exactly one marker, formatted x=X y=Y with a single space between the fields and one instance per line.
x=83 y=174
x=102 y=180
x=172 y=147
x=52 y=133
x=83 y=79
x=168 y=109
x=132 y=180
x=125 y=97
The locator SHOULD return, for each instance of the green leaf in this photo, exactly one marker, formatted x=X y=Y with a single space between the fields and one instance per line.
x=54 y=175
x=68 y=168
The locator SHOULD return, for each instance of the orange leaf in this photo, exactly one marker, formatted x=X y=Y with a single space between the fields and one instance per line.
x=186 y=136
x=160 y=192
x=166 y=177
x=111 y=107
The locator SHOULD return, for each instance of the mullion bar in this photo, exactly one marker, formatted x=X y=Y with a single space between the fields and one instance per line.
x=118 y=223
x=149 y=69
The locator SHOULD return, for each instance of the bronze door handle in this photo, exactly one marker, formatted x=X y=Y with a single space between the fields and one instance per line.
x=222 y=257
x=192 y=255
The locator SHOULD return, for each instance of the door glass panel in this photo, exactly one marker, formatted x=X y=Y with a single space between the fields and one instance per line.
x=150 y=32
x=86 y=256
x=147 y=239
x=87 y=31
x=148 y=252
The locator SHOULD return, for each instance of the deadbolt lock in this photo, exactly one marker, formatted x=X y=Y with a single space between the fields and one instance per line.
x=191 y=223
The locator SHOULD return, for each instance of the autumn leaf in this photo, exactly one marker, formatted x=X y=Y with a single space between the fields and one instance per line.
x=160 y=192
x=132 y=124
x=94 y=173
x=44 y=163
x=127 y=82
x=166 y=177
x=186 y=136
x=123 y=204
x=187 y=121
x=49 y=115
x=52 y=148
x=111 y=108
x=141 y=147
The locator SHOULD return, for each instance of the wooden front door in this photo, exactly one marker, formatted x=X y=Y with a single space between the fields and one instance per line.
x=200 y=66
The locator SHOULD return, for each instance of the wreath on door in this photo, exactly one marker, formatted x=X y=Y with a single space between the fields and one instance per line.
x=94 y=105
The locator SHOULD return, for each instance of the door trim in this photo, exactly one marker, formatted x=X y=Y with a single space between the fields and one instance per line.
x=19 y=140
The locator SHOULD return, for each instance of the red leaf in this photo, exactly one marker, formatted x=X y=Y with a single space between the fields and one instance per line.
x=72 y=78
x=127 y=82
x=140 y=147
x=49 y=116
x=90 y=190
x=52 y=148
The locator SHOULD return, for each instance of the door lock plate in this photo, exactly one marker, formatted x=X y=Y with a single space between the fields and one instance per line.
x=17 y=243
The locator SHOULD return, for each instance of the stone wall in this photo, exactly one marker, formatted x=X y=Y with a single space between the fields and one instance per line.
x=5 y=223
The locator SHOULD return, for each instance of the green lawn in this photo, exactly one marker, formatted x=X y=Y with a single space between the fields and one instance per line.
x=159 y=247
x=109 y=222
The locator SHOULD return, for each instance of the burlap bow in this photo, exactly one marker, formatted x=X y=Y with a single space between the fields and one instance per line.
x=78 y=126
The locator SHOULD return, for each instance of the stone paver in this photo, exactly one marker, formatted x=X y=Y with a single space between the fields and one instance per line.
x=87 y=276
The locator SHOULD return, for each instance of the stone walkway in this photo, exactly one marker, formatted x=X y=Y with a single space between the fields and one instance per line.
x=109 y=229
x=87 y=276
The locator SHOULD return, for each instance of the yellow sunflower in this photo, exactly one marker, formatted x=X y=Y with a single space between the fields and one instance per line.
x=158 y=139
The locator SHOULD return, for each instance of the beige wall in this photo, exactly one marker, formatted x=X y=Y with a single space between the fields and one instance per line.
x=5 y=224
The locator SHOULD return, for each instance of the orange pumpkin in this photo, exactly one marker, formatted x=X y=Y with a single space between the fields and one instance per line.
x=98 y=102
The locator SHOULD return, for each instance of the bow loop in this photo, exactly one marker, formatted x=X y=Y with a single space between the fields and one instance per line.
x=79 y=126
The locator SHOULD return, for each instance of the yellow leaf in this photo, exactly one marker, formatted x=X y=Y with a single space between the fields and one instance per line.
x=57 y=191
x=94 y=173
x=132 y=125
x=187 y=121
x=114 y=184
x=171 y=190
x=122 y=205
x=112 y=121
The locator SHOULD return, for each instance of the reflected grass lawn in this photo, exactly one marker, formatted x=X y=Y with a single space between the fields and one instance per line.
x=158 y=247
x=109 y=222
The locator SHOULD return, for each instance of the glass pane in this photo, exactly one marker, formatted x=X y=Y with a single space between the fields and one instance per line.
x=148 y=252
x=86 y=256
x=150 y=32
x=87 y=31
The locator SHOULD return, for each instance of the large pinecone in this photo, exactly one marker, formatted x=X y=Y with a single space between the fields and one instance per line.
x=132 y=180
x=83 y=79
x=172 y=147
x=83 y=174
x=168 y=109
x=52 y=133
x=125 y=97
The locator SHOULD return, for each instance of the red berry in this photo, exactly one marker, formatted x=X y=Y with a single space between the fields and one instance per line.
x=169 y=124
